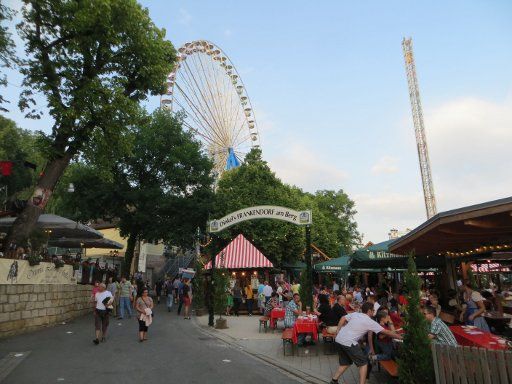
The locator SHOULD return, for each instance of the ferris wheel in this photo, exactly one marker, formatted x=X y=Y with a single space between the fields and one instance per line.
x=205 y=86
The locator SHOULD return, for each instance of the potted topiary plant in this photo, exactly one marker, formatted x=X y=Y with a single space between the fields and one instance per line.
x=221 y=285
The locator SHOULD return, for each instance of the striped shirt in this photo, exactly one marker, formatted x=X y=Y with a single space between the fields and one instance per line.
x=442 y=333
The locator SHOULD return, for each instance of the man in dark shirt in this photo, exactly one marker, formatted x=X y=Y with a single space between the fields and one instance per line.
x=335 y=314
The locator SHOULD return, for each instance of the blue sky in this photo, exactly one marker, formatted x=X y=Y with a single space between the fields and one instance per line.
x=328 y=86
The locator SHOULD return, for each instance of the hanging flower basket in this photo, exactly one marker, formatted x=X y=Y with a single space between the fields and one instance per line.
x=34 y=260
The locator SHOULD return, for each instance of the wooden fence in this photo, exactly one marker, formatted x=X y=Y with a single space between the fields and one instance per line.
x=470 y=365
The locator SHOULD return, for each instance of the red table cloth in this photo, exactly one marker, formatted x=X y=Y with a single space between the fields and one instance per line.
x=474 y=337
x=305 y=325
x=276 y=314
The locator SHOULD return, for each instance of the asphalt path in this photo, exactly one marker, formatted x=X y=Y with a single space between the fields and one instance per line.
x=177 y=352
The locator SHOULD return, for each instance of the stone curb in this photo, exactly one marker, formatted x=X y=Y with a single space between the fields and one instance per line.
x=307 y=377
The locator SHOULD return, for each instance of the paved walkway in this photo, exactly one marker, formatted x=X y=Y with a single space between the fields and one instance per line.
x=177 y=351
x=243 y=332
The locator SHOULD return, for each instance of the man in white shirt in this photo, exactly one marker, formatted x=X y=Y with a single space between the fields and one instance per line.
x=372 y=299
x=267 y=292
x=350 y=329
x=103 y=304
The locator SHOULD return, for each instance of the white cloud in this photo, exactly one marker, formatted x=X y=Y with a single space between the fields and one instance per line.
x=306 y=167
x=184 y=17
x=386 y=165
x=470 y=141
x=377 y=214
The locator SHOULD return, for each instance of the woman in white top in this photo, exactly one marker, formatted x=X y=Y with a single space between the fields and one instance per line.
x=103 y=300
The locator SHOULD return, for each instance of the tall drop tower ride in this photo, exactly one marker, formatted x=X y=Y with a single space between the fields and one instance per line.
x=419 y=129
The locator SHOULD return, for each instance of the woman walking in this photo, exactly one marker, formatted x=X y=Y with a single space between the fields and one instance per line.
x=187 y=298
x=144 y=308
x=103 y=300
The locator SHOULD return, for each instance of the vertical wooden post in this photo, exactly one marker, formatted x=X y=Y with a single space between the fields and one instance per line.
x=309 y=299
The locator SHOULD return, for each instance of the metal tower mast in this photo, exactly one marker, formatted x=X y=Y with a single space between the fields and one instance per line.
x=419 y=129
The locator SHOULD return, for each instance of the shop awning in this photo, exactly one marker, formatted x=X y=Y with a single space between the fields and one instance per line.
x=340 y=264
x=240 y=254
x=379 y=258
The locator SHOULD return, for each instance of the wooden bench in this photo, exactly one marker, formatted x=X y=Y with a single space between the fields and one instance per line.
x=287 y=338
x=390 y=367
x=329 y=345
x=264 y=322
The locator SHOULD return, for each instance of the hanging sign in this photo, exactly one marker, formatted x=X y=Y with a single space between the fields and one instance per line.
x=261 y=212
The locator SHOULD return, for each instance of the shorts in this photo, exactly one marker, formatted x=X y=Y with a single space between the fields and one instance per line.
x=351 y=355
x=142 y=326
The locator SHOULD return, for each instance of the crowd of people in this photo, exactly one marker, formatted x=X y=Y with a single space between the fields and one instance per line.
x=126 y=299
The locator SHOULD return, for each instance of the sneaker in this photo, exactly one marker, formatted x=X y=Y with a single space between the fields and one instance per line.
x=96 y=341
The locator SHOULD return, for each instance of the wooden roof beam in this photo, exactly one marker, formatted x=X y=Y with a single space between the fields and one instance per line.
x=481 y=223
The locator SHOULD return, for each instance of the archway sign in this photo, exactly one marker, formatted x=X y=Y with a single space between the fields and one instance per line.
x=264 y=212
x=261 y=212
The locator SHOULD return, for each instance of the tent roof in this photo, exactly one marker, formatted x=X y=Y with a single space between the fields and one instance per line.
x=378 y=256
x=59 y=227
x=240 y=254
x=340 y=264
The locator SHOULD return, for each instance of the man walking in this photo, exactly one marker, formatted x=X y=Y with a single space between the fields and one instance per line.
x=169 y=291
x=125 y=298
x=350 y=329
x=112 y=288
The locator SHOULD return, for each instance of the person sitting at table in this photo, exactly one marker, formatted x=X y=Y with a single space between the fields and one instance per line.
x=439 y=332
x=335 y=314
x=271 y=304
x=323 y=309
x=384 y=342
x=349 y=306
x=292 y=311
x=472 y=314
x=433 y=301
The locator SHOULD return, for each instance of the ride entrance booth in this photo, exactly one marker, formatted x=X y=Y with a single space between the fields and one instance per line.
x=244 y=262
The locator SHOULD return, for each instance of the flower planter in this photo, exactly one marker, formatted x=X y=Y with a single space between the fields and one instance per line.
x=200 y=312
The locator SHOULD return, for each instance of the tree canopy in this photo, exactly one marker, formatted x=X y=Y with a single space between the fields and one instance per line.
x=253 y=183
x=94 y=61
x=160 y=190
x=6 y=47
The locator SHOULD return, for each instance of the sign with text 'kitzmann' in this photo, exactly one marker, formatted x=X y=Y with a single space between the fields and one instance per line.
x=261 y=212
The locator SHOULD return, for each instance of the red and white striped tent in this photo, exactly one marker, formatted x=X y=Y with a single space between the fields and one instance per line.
x=240 y=254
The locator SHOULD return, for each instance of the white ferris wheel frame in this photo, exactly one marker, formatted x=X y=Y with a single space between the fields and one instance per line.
x=217 y=136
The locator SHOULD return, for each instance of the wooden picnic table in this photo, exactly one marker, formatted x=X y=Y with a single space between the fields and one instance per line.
x=275 y=315
x=475 y=337
x=305 y=325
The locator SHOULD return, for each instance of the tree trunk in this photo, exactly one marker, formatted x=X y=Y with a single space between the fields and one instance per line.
x=130 y=250
x=26 y=221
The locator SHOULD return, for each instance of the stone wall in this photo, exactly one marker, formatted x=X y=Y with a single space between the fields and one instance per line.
x=24 y=308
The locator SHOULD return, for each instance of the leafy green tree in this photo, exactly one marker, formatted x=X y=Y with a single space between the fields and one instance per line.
x=254 y=183
x=162 y=190
x=94 y=61
x=6 y=47
x=18 y=145
x=415 y=365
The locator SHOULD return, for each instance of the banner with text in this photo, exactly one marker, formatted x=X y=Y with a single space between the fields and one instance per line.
x=261 y=212
x=20 y=272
